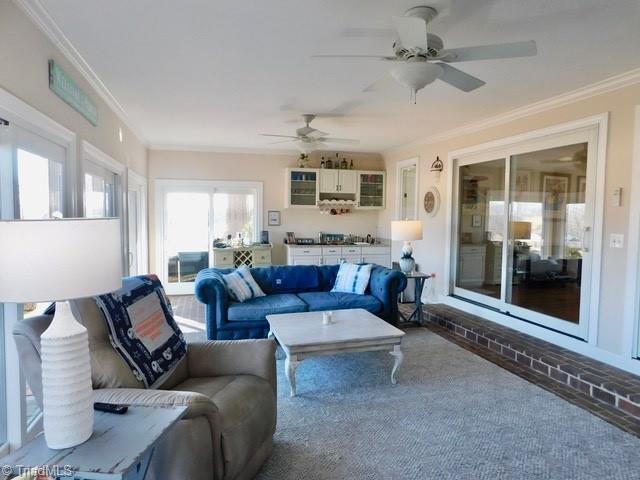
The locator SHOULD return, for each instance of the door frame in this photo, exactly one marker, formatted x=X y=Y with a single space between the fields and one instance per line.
x=399 y=167
x=600 y=121
x=138 y=183
x=160 y=187
x=631 y=328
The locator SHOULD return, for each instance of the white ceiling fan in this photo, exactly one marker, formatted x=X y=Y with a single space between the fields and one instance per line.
x=420 y=57
x=308 y=138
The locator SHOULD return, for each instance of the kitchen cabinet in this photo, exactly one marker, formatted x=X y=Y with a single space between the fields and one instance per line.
x=302 y=188
x=336 y=254
x=338 y=181
x=471 y=268
x=305 y=187
x=371 y=190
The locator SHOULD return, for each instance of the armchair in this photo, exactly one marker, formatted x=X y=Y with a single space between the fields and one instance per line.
x=228 y=387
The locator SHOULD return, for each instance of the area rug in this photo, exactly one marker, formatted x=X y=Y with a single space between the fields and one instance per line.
x=452 y=415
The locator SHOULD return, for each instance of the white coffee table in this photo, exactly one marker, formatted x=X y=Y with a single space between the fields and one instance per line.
x=303 y=335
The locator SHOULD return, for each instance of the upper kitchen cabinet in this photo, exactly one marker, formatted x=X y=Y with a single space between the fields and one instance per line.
x=302 y=188
x=371 y=190
x=338 y=181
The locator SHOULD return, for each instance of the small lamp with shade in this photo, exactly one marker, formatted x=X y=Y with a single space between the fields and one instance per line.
x=406 y=231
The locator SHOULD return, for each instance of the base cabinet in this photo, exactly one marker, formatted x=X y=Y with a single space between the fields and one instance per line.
x=337 y=254
x=305 y=260
x=471 y=270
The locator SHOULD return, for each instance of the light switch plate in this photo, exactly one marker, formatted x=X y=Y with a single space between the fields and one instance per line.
x=616 y=240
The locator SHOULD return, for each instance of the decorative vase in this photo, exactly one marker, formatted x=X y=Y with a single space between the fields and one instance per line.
x=66 y=381
x=407 y=263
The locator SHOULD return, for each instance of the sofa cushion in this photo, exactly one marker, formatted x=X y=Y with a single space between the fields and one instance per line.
x=142 y=329
x=258 y=308
x=318 y=301
x=247 y=408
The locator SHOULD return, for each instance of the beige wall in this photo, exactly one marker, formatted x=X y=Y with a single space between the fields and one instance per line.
x=430 y=252
x=24 y=53
x=270 y=170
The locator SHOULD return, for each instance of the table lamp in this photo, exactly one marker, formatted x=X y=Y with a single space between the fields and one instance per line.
x=406 y=230
x=59 y=260
x=521 y=230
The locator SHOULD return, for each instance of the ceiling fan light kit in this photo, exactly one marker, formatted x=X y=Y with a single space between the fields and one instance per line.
x=308 y=139
x=416 y=75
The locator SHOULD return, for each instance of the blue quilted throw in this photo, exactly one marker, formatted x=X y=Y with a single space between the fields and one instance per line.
x=352 y=278
x=142 y=328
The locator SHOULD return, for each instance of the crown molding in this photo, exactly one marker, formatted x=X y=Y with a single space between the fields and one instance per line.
x=220 y=149
x=241 y=150
x=38 y=14
x=616 y=82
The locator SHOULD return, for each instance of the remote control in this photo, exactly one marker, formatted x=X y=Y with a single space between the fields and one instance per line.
x=110 y=408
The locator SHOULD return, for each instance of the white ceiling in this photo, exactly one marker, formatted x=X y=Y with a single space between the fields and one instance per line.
x=205 y=73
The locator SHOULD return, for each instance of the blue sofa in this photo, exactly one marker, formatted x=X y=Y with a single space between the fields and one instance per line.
x=291 y=289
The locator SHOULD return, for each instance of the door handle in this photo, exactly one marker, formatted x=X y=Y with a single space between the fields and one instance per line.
x=586 y=239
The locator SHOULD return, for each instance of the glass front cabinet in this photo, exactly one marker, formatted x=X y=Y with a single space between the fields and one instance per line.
x=371 y=190
x=302 y=188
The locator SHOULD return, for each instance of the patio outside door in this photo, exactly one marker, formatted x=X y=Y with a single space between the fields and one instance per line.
x=186 y=238
x=524 y=228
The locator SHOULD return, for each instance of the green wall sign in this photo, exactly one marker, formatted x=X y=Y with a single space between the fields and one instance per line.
x=68 y=90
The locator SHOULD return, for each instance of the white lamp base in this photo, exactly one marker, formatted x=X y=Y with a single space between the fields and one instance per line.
x=66 y=381
x=407 y=263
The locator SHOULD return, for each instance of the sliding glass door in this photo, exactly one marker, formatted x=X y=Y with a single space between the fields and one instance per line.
x=524 y=221
x=193 y=216
x=186 y=238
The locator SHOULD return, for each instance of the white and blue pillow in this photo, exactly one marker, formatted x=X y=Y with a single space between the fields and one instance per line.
x=241 y=285
x=352 y=278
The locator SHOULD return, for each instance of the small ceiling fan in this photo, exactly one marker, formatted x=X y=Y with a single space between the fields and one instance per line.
x=309 y=138
x=421 y=57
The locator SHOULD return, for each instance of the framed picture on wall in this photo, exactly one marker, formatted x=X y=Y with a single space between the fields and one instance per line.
x=273 y=218
x=555 y=188
x=522 y=183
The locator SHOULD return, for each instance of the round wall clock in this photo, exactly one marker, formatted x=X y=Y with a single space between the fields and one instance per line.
x=432 y=201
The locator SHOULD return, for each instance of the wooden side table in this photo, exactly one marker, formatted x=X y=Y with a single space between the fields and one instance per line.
x=120 y=448
x=417 y=314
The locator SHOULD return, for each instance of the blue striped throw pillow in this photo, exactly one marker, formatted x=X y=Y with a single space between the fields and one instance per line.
x=352 y=278
x=241 y=285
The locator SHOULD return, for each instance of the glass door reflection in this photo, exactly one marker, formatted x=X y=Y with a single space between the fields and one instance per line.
x=547 y=230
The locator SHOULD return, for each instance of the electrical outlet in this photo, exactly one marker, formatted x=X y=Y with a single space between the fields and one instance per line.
x=616 y=240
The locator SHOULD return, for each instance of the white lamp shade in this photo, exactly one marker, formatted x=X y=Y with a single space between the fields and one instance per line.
x=45 y=260
x=406 y=230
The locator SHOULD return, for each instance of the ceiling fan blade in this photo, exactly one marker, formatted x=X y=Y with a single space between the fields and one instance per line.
x=489 y=52
x=279 y=136
x=360 y=57
x=459 y=79
x=382 y=83
x=412 y=31
x=345 y=141
x=367 y=32
x=289 y=140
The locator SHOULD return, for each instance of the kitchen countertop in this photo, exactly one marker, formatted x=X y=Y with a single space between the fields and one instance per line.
x=337 y=245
